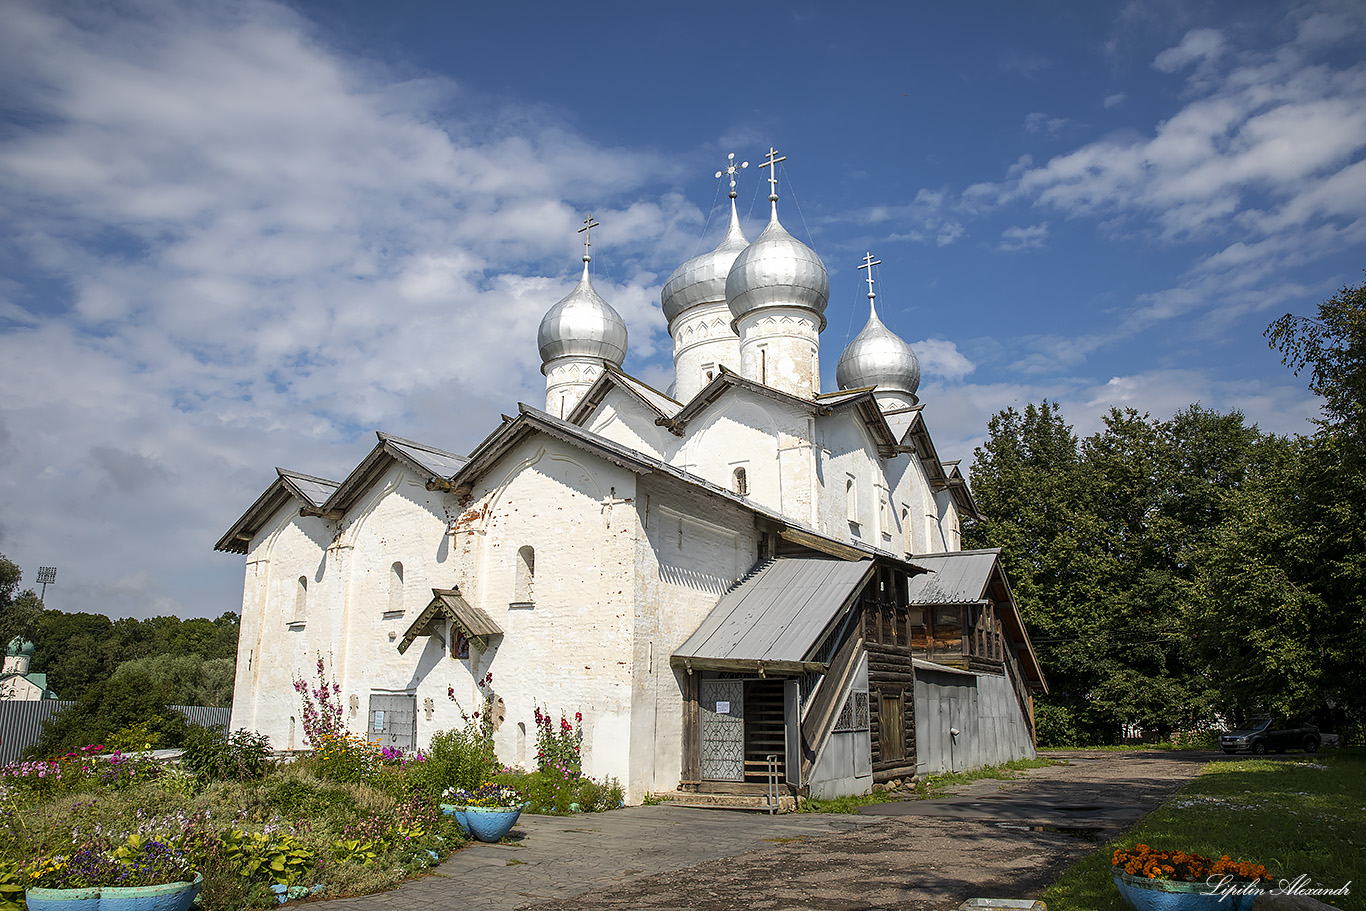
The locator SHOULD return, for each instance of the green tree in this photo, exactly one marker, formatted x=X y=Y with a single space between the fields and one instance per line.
x=19 y=608
x=183 y=679
x=1333 y=345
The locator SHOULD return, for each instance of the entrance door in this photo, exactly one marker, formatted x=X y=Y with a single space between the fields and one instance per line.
x=393 y=721
x=890 y=737
x=721 y=707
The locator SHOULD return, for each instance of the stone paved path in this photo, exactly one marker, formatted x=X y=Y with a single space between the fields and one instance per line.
x=993 y=839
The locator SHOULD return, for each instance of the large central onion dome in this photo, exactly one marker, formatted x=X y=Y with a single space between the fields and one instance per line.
x=877 y=357
x=702 y=279
x=777 y=270
x=582 y=325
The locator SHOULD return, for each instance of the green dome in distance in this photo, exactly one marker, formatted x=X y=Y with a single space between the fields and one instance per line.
x=20 y=646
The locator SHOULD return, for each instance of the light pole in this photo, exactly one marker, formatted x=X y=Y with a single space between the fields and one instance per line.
x=46 y=575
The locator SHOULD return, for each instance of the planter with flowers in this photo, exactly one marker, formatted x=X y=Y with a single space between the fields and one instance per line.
x=142 y=874
x=1152 y=880
x=488 y=813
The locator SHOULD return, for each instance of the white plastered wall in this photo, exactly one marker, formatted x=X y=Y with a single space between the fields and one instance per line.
x=694 y=549
x=570 y=651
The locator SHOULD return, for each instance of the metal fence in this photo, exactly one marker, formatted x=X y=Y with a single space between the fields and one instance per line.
x=21 y=723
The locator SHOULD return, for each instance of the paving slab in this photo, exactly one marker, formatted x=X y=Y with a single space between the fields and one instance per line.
x=989 y=838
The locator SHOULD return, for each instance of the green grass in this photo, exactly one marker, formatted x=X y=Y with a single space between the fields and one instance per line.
x=936 y=785
x=928 y=787
x=1301 y=816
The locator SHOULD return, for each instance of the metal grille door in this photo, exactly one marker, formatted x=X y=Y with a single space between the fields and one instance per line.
x=393 y=721
x=721 y=704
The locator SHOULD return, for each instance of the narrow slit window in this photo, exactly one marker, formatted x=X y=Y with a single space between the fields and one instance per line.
x=301 y=600
x=524 y=584
x=741 y=481
x=396 y=588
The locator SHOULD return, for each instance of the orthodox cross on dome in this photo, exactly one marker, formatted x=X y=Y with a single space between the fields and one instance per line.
x=588 y=225
x=730 y=168
x=772 y=165
x=869 y=263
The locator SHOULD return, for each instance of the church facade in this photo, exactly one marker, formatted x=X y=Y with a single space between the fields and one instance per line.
x=745 y=579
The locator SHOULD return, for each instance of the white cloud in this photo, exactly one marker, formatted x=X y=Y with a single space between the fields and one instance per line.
x=1198 y=46
x=1031 y=237
x=269 y=251
x=1115 y=100
x=941 y=358
x=1038 y=122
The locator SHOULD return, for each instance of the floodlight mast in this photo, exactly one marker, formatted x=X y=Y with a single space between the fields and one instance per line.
x=47 y=575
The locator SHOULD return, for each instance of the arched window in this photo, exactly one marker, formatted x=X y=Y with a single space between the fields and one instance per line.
x=396 y=588
x=851 y=499
x=741 y=479
x=523 y=584
x=301 y=600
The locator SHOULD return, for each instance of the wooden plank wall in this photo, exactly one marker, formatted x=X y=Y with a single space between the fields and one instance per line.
x=885 y=627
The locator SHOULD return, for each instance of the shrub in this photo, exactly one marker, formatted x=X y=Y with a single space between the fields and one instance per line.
x=213 y=755
x=557 y=748
x=322 y=709
x=345 y=757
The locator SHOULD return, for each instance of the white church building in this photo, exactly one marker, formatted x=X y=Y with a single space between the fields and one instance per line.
x=744 y=578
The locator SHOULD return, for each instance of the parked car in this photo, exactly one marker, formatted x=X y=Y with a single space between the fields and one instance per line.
x=1265 y=733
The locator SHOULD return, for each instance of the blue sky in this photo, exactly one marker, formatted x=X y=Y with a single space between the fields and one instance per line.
x=239 y=235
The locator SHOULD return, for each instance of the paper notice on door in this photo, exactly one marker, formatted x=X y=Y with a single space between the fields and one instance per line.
x=723 y=708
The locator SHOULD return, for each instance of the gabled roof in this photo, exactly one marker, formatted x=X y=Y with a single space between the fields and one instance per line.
x=942 y=475
x=968 y=577
x=289 y=486
x=530 y=420
x=436 y=464
x=724 y=381
x=448 y=603
x=613 y=378
x=777 y=617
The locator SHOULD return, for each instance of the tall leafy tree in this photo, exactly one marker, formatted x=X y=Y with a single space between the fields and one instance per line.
x=19 y=607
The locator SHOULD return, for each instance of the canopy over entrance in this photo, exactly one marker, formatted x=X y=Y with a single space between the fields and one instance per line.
x=447 y=604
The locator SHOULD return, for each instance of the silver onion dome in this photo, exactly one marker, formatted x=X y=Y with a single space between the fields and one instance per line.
x=702 y=279
x=877 y=357
x=583 y=325
x=777 y=270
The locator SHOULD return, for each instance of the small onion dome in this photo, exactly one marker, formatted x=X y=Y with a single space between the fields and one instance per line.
x=877 y=357
x=19 y=646
x=582 y=325
x=777 y=270
x=702 y=279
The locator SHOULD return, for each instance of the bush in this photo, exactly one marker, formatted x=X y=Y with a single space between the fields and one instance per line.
x=213 y=755
x=461 y=758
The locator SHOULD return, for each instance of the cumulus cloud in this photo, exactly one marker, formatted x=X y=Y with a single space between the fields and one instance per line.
x=941 y=358
x=264 y=252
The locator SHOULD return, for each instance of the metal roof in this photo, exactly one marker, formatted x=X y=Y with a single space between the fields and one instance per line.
x=288 y=486
x=313 y=491
x=776 y=617
x=432 y=460
x=955 y=578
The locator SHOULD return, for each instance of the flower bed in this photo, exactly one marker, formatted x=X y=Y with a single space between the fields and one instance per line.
x=347 y=819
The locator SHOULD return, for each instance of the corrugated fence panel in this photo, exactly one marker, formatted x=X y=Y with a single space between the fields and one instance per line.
x=21 y=723
x=209 y=716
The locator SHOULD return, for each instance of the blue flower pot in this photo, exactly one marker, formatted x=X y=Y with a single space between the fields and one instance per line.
x=63 y=899
x=491 y=823
x=458 y=812
x=1143 y=894
x=168 y=897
